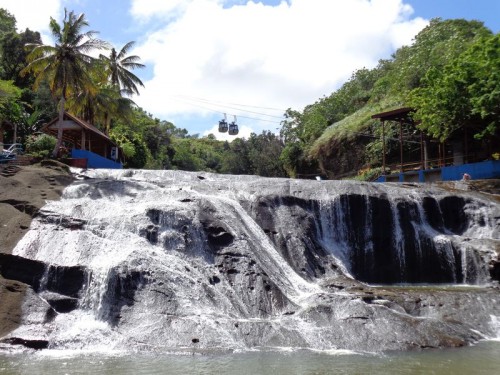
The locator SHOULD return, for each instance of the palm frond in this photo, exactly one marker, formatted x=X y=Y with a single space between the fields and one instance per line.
x=119 y=66
x=124 y=50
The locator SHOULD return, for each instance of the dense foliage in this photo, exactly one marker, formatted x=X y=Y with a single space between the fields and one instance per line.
x=464 y=94
x=450 y=75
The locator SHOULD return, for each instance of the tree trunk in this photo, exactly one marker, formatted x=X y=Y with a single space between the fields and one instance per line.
x=62 y=103
x=107 y=123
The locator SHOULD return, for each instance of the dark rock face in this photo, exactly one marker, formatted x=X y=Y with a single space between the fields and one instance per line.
x=21 y=269
x=67 y=281
x=11 y=297
x=453 y=212
x=494 y=268
x=32 y=344
x=388 y=243
x=216 y=232
x=61 y=220
x=122 y=285
x=433 y=213
x=298 y=243
x=60 y=304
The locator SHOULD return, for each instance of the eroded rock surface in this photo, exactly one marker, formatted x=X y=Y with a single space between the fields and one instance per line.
x=163 y=258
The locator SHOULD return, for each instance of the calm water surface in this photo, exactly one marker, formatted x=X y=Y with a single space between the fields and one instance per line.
x=483 y=358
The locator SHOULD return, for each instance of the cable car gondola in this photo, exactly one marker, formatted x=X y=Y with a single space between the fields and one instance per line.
x=233 y=127
x=223 y=125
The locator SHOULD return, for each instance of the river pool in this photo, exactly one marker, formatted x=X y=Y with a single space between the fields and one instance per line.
x=482 y=358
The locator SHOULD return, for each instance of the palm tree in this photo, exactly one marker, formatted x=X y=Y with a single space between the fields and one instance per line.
x=66 y=65
x=99 y=107
x=118 y=66
x=90 y=105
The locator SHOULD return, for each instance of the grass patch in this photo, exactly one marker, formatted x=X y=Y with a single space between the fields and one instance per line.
x=357 y=123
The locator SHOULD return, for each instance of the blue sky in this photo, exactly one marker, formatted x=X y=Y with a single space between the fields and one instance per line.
x=249 y=59
x=487 y=11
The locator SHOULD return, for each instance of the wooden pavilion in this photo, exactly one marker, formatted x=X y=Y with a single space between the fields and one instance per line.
x=445 y=161
x=81 y=135
x=403 y=117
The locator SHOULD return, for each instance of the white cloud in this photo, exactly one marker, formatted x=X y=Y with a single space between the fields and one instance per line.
x=239 y=51
x=32 y=14
x=147 y=9
x=281 y=56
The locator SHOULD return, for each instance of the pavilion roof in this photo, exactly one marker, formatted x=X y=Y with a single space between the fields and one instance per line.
x=83 y=124
x=400 y=114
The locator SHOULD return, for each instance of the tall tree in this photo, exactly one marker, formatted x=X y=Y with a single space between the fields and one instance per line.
x=118 y=66
x=264 y=154
x=434 y=47
x=13 y=56
x=117 y=78
x=66 y=65
x=7 y=22
x=464 y=94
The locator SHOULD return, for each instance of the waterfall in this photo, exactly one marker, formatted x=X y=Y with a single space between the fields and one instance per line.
x=334 y=238
x=368 y=234
x=170 y=258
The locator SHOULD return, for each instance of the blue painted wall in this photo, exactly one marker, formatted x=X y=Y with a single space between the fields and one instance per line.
x=94 y=160
x=477 y=171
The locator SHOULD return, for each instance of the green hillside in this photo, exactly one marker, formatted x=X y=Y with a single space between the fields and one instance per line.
x=449 y=75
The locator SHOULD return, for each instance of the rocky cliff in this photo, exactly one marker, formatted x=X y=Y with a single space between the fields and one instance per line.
x=180 y=261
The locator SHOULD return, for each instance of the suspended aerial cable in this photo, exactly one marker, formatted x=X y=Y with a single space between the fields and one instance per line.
x=219 y=111
x=229 y=107
x=260 y=119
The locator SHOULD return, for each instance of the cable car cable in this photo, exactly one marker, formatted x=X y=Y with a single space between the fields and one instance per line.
x=225 y=106
x=219 y=111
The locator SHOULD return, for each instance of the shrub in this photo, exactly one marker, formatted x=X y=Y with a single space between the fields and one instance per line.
x=369 y=174
x=40 y=145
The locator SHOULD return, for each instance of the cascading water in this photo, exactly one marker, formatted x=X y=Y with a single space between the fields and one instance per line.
x=174 y=261
x=391 y=241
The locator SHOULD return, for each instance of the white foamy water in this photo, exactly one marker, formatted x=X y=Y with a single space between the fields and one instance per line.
x=495 y=324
